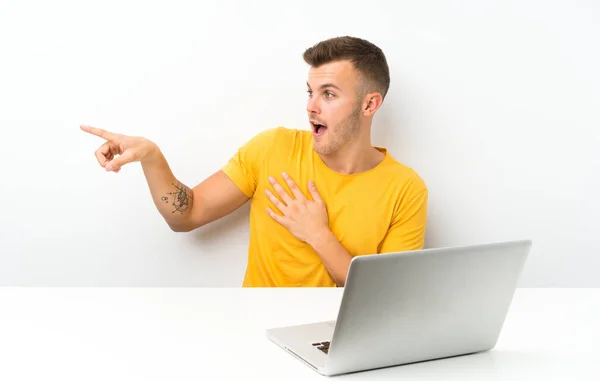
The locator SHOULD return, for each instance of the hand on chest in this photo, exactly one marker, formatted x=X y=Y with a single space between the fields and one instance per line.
x=306 y=207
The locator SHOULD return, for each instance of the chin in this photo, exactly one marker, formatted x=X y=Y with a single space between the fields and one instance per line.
x=323 y=150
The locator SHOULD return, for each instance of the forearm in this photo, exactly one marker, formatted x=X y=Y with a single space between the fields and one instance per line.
x=173 y=199
x=334 y=256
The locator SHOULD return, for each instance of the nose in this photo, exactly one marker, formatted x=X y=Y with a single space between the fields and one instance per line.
x=312 y=106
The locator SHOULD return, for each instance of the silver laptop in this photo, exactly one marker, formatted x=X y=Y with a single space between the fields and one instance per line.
x=406 y=307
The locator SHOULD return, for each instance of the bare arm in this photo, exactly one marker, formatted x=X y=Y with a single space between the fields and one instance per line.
x=183 y=208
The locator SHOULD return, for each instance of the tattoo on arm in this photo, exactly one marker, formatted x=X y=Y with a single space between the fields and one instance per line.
x=181 y=198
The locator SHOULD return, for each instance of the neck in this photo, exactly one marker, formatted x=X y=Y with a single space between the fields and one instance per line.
x=358 y=155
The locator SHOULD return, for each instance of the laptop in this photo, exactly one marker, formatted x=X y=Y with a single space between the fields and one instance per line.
x=406 y=307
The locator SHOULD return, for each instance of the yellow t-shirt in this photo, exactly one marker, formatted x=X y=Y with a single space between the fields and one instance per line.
x=377 y=211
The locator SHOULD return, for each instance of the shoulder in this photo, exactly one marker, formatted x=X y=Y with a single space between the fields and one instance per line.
x=406 y=181
x=279 y=141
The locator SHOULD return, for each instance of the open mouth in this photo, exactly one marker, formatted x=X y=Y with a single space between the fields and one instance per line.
x=318 y=128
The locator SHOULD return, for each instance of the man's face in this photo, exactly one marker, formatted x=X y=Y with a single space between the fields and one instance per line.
x=333 y=105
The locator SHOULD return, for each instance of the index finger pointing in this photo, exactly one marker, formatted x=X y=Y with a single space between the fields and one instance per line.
x=97 y=131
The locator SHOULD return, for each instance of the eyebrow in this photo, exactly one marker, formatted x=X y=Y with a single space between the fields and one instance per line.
x=326 y=85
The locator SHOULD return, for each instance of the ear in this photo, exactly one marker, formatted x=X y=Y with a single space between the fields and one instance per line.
x=371 y=103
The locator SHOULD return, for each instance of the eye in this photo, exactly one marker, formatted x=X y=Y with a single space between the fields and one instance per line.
x=329 y=94
x=309 y=93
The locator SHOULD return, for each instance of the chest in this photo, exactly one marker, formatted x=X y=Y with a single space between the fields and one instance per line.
x=359 y=212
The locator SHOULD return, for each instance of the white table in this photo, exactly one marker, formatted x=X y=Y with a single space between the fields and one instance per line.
x=213 y=334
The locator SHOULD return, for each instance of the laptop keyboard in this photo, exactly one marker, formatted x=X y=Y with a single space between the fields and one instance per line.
x=323 y=346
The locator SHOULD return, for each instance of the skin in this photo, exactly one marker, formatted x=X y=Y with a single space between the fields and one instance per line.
x=348 y=113
x=337 y=98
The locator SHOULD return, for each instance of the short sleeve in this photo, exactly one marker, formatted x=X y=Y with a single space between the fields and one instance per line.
x=244 y=166
x=407 y=230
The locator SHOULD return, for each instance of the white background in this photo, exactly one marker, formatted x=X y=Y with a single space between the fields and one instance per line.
x=495 y=104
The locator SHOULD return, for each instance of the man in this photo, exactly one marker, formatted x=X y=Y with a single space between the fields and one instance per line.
x=318 y=197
